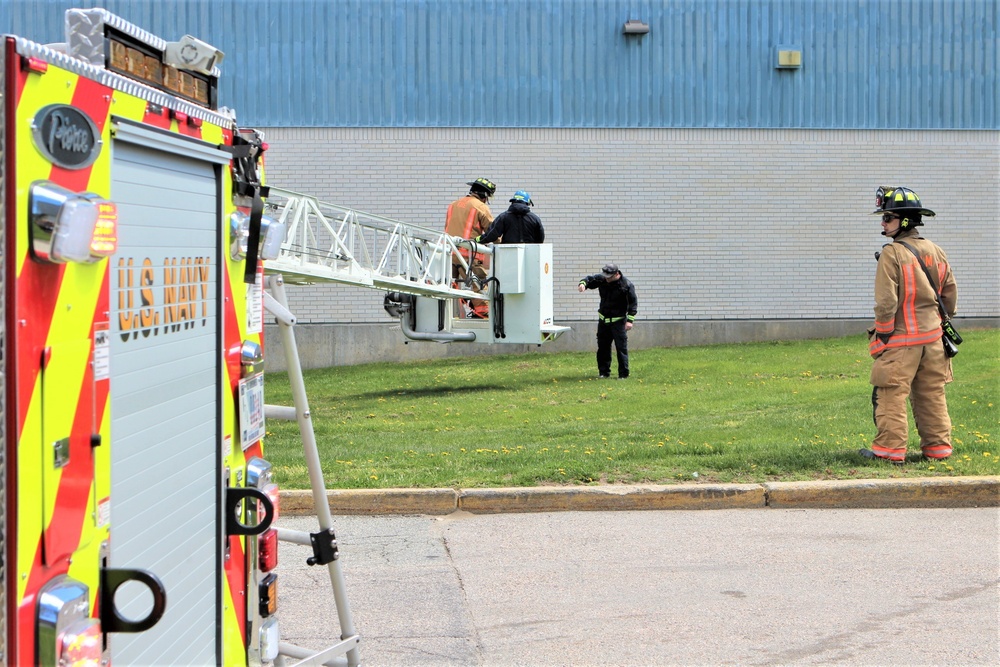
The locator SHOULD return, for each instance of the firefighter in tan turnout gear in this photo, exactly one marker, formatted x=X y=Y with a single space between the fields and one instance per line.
x=467 y=218
x=910 y=360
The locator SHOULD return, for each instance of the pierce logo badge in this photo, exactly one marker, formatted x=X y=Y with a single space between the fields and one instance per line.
x=66 y=136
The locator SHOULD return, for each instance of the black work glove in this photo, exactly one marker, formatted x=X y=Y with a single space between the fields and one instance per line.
x=884 y=338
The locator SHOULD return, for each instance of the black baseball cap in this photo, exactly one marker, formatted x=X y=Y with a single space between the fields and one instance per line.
x=610 y=269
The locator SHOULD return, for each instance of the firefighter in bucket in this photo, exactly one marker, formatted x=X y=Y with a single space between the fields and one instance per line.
x=467 y=218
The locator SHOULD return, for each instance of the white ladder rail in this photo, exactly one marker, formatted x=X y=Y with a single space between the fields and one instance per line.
x=327 y=242
x=301 y=239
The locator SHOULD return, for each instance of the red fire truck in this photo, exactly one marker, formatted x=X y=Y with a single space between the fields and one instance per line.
x=132 y=473
x=136 y=505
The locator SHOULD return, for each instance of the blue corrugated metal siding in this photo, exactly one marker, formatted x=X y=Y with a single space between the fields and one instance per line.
x=867 y=64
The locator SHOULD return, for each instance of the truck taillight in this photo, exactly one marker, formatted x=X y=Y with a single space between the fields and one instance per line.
x=267 y=545
x=67 y=634
x=80 y=645
x=105 y=240
x=268 y=595
x=269 y=638
x=271 y=491
x=272 y=235
x=68 y=226
x=34 y=65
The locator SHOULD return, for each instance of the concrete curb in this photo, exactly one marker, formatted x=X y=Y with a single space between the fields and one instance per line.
x=846 y=494
x=373 y=501
x=583 y=498
x=887 y=493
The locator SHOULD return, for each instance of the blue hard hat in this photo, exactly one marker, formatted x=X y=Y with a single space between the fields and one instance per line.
x=522 y=196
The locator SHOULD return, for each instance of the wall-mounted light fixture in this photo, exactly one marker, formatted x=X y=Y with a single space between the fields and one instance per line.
x=789 y=57
x=633 y=27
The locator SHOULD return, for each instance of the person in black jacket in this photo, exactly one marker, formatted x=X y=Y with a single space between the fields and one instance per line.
x=615 y=316
x=517 y=224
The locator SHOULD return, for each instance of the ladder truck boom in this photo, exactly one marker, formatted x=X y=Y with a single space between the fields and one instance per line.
x=327 y=242
x=323 y=242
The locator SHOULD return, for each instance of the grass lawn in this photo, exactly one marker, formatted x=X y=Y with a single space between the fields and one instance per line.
x=778 y=411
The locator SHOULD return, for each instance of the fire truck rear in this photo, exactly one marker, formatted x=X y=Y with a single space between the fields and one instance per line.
x=136 y=505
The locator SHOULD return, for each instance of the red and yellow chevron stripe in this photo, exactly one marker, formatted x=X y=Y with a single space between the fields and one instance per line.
x=55 y=313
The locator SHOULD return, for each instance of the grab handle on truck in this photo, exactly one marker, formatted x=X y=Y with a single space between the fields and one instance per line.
x=111 y=580
x=234 y=510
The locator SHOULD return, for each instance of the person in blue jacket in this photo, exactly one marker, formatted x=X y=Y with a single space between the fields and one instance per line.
x=615 y=317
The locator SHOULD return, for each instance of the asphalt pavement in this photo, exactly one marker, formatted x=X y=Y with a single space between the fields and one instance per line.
x=914 y=580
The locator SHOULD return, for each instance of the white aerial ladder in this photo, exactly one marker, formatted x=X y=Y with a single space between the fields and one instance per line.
x=311 y=241
x=413 y=264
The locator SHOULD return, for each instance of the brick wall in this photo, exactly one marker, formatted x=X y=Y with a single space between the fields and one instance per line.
x=709 y=224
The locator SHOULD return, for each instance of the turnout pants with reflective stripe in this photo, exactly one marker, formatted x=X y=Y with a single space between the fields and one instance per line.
x=919 y=373
x=608 y=332
x=479 y=307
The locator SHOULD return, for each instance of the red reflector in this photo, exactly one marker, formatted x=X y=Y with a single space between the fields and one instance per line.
x=194 y=122
x=268 y=595
x=267 y=546
x=35 y=65
x=179 y=116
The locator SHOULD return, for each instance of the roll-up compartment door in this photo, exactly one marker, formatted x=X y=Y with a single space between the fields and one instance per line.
x=165 y=397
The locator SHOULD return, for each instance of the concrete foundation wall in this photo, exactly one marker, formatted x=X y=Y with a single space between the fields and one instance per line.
x=326 y=345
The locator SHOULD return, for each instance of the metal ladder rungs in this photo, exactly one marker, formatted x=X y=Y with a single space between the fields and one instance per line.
x=295 y=536
x=331 y=656
x=286 y=412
